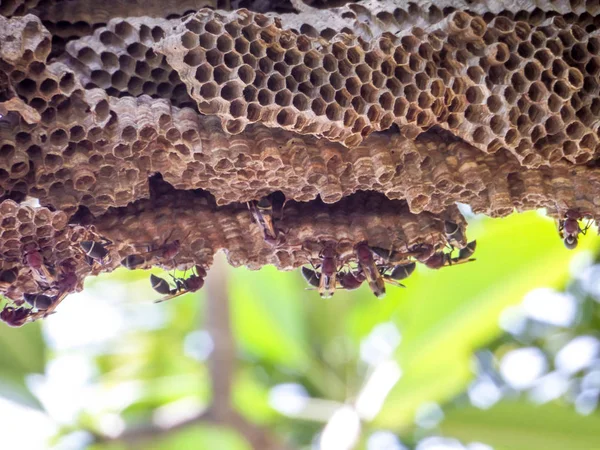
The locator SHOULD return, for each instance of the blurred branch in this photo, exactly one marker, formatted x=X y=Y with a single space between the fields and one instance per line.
x=222 y=363
x=218 y=325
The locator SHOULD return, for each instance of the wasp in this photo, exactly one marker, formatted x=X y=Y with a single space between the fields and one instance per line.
x=454 y=234
x=95 y=251
x=15 y=317
x=167 y=251
x=34 y=260
x=436 y=260
x=367 y=264
x=40 y=302
x=262 y=213
x=396 y=263
x=325 y=281
x=350 y=280
x=182 y=286
x=398 y=272
x=569 y=228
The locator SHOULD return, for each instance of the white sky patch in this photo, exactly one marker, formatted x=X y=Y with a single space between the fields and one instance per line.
x=590 y=278
x=439 y=443
x=384 y=440
x=74 y=441
x=549 y=387
x=342 y=431
x=198 y=345
x=513 y=319
x=521 y=368
x=110 y=425
x=376 y=389
x=429 y=415
x=65 y=388
x=591 y=380
x=24 y=428
x=587 y=402
x=549 y=306
x=483 y=393
x=84 y=321
x=577 y=354
x=380 y=344
x=176 y=412
x=288 y=398
x=580 y=262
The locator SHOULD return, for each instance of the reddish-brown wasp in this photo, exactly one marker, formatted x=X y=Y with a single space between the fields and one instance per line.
x=325 y=280
x=262 y=213
x=15 y=317
x=167 y=251
x=397 y=265
x=182 y=286
x=34 y=259
x=569 y=228
x=436 y=260
x=351 y=280
x=369 y=268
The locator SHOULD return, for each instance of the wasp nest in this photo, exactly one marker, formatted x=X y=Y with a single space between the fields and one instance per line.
x=332 y=133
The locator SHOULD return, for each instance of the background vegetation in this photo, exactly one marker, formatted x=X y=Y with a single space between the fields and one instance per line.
x=502 y=353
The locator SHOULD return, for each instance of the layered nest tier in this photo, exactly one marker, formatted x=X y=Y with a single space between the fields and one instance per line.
x=333 y=135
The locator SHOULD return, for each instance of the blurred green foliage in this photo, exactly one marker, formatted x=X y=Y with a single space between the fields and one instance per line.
x=286 y=334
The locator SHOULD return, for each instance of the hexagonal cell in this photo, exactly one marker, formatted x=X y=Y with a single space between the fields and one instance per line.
x=411 y=92
x=257 y=49
x=286 y=117
x=214 y=57
x=195 y=57
x=209 y=91
x=241 y=45
x=213 y=27
x=246 y=74
x=276 y=82
x=334 y=112
x=301 y=102
x=265 y=97
x=312 y=59
x=425 y=100
x=189 y=40
x=142 y=69
x=265 y=65
x=221 y=74
x=474 y=95
x=100 y=78
x=318 y=77
x=275 y=54
x=283 y=98
x=119 y=80
x=363 y=71
x=237 y=108
x=318 y=106
x=327 y=93
x=359 y=105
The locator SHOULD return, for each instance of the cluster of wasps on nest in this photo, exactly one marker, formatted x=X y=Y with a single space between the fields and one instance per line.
x=377 y=266
x=326 y=273
x=54 y=287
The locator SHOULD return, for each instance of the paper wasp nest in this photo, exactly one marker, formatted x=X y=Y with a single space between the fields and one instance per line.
x=138 y=124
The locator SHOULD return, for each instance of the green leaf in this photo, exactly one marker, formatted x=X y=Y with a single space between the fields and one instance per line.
x=444 y=315
x=516 y=425
x=22 y=352
x=267 y=316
